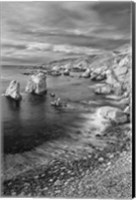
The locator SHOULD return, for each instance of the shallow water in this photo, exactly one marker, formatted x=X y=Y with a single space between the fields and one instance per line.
x=35 y=121
x=35 y=132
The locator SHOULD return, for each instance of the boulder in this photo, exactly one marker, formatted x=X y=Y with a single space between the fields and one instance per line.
x=55 y=68
x=37 y=84
x=13 y=90
x=96 y=77
x=98 y=74
x=55 y=73
x=86 y=74
x=80 y=66
x=66 y=72
x=56 y=103
x=118 y=89
x=105 y=89
x=111 y=78
x=112 y=114
x=125 y=61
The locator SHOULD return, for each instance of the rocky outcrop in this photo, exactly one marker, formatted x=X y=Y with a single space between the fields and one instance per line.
x=96 y=77
x=37 y=84
x=112 y=114
x=57 y=103
x=56 y=73
x=56 y=68
x=127 y=110
x=119 y=75
x=13 y=91
x=86 y=74
x=80 y=66
x=105 y=89
x=66 y=72
x=98 y=74
x=111 y=78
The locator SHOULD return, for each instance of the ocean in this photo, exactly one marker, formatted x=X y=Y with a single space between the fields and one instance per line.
x=35 y=124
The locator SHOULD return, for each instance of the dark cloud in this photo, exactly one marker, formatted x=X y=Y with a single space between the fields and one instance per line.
x=14 y=46
x=116 y=13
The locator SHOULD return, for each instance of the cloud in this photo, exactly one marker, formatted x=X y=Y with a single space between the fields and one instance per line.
x=39 y=47
x=57 y=28
x=117 y=14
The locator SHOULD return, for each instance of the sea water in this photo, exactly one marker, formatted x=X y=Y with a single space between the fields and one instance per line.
x=35 y=132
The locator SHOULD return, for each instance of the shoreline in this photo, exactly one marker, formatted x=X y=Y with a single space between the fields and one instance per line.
x=54 y=179
x=97 y=163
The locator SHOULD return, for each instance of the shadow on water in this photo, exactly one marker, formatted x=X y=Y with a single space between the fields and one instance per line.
x=36 y=99
x=13 y=104
x=19 y=144
x=32 y=122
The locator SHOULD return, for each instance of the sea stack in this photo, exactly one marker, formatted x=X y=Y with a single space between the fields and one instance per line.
x=37 y=84
x=13 y=91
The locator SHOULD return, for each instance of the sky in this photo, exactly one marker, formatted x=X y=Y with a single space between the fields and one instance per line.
x=37 y=32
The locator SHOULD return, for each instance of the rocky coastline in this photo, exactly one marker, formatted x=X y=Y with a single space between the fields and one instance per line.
x=89 y=175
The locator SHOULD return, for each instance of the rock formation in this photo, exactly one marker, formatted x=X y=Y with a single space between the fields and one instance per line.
x=55 y=73
x=80 y=65
x=105 y=89
x=127 y=110
x=112 y=114
x=98 y=74
x=37 y=84
x=13 y=91
x=66 y=72
x=86 y=74
x=56 y=103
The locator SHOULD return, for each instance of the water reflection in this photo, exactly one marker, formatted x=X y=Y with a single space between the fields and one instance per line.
x=34 y=121
x=13 y=104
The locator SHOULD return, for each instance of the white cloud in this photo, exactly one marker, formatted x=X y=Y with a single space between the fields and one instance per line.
x=39 y=47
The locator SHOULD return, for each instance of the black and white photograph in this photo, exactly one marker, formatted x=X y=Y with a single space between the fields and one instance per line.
x=66 y=99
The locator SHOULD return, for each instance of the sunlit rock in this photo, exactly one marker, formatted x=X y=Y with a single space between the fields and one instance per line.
x=86 y=74
x=98 y=74
x=56 y=103
x=66 y=72
x=111 y=78
x=13 y=90
x=105 y=89
x=96 y=77
x=56 y=68
x=112 y=114
x=127 y=110
x=37 y=84
x=55 y=71
x=80 y=65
